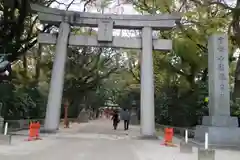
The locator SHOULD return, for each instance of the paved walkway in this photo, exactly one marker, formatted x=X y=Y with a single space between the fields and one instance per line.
x=98 y=141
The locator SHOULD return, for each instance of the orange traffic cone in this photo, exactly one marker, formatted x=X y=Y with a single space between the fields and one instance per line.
x=168 y=136
x=37 y=128
x=31 y=133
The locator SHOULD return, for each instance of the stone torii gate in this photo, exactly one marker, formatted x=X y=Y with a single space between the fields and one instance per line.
x=105 y=23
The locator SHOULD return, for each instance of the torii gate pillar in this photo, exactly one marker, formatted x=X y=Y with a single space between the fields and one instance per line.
x=52 y=118
x=147 y=85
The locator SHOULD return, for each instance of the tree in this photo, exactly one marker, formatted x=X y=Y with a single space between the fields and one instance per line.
x=182 y=73
x=18 y=32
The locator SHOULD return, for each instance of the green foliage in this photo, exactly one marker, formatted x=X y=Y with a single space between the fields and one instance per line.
x=181 y=75
x=18 y=29
x=19 y=103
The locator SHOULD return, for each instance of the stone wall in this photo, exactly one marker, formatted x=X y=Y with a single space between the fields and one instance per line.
x=16 y=125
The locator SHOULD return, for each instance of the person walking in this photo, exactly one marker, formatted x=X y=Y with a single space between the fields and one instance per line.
x=115 y=119
x=126 y=118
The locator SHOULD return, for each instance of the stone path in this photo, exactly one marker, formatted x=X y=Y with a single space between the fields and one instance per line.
x=98 y=141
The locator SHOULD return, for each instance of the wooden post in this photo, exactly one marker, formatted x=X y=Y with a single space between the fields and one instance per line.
x=66 y=122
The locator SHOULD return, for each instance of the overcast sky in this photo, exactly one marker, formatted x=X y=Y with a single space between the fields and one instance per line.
x=123 y=9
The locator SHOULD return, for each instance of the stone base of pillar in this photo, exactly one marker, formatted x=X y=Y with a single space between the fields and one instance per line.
x=206 y=154
x=49 y=131
x=146 y=137
x=220 y=121
x=5 y=139
x=185 y=147
x=219 y=133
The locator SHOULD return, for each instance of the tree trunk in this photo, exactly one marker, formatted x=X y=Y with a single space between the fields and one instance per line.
x=236 y=93
x=236 y=30
x=25 y=65
x=38 y=63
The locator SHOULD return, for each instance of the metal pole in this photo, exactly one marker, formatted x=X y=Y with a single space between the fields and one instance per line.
x=206 y=141
x=6 y=128
x=186 y=136
x=66 y=123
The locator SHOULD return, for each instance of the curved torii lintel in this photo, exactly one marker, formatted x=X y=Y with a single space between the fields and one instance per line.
x=157 y=17
x=56 y=16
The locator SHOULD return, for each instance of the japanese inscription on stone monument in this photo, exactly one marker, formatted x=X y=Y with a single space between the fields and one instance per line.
x=221 y=68
x=218 y=75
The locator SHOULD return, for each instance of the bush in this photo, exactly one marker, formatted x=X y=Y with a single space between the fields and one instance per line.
x=21 y=102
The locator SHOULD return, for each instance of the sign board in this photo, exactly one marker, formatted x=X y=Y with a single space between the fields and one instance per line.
x=105 y=30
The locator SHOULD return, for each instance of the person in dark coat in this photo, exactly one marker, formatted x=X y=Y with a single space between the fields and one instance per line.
x=115 y=119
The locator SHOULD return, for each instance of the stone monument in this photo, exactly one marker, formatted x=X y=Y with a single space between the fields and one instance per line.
x=133 y=117
x=83 y=116
x=220 y=126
